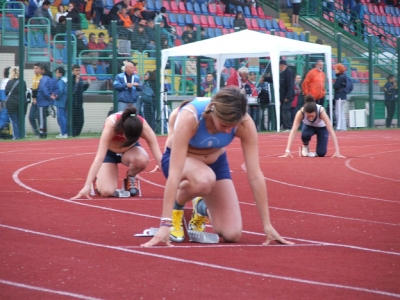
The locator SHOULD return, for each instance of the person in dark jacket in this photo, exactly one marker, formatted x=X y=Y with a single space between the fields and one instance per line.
x=286 y=93
x=340 y=96
x=78 y=87
x=239 y=23
x=47 y=93
x=141 y=42
x=13 y=88
x=73 y=13
x=128 y=86
x=390 y=89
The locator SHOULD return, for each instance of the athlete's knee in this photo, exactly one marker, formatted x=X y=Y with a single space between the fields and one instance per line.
x=232 y=236
x=321 y=153
x=106 y=192
x=140 y=163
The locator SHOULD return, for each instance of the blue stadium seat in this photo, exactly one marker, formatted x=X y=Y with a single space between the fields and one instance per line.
x=196 y=8
x=40 y=41
x=173 y=19
x=210 y=32
x=275 y=25
x=32 y=40
x=181 y=20
x=157 y=5
x=204 y=9
x=218 y=22
x=268 y=24
x=226 y=21
x=189 y=7
x=189 y=19
x=261 y=23
x=289 y=35
x=246 y=12
x=218 y=32
x=302 y=37
x=296 y=36
x=238 y=8
x=101 y=73
x=109 y=3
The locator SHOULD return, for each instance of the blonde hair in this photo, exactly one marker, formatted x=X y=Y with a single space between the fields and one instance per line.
x=14 y=73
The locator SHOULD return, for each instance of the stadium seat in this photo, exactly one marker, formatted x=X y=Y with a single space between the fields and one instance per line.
x=101 y=73
x=226 y=21
x=211 y=21
x=219 y=10
x=203 y=21
x=218 y=31
x=248 y=24
x=204 y=9
x=181 y=20
x=174 y=7
x=166 y=4
x=196 y=8
x=246 y=12
x=275 y=25
x=40 y=41
x=282 y=26
x=179 y=31
x=268 y=24
x=261 y=23
x=289 y=35
x=261 y=13
x=212 y=9
x=218 y=22
x=189 y=8
x=173 y=20
x=181 y=7
x=189 y=19
x=238 y=8
x=210 y=32
x=296 y=36
x=254 y=12
x=254 y=24
x=196 y=20
x=302 y=37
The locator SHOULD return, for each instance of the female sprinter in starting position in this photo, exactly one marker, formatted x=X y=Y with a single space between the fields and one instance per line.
x=119 y=144
x=195 y=164
x=315 y=121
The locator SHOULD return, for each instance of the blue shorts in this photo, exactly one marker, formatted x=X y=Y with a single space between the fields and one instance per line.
x=220 y=166
x=115 y=158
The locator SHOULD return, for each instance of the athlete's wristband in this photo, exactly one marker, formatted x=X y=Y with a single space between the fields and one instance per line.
x=287 y=151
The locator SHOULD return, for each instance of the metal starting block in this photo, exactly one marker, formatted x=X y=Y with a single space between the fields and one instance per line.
x=201 y=237
x=121 y=193
x=148 y=232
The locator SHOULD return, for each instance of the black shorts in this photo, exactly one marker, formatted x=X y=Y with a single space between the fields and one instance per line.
x=296 y=8
x=115 y=158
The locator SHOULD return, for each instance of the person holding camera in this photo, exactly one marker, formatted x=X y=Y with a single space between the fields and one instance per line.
x=128 y=85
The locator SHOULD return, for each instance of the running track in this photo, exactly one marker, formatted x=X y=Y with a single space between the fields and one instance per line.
x=343 y=215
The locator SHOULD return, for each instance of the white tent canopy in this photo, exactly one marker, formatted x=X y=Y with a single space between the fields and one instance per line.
x=247 y=43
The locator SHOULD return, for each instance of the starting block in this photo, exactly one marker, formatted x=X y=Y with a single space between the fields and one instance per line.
x=201 y=237
x=194 y=236
x=119 y=193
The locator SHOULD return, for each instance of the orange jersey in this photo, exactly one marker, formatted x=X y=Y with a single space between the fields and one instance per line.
x=314 y=84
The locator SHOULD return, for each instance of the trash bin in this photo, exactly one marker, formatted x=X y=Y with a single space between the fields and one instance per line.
x=271 y=117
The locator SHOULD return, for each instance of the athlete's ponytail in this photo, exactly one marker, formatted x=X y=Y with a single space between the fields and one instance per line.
x=131 y=126
x=310 y=106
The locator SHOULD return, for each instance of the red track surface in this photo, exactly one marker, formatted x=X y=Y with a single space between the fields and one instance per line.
x=343 y=214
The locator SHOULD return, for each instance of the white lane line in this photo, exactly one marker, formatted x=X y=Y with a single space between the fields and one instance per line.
x=16 y=179
x=209 y=265
x=40 y=289
x=227 y=245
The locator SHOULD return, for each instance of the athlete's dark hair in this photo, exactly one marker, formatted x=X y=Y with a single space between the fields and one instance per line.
x=310 y=106
x=131 y=126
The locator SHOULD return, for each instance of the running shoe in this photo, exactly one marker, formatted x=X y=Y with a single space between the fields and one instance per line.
x=177 y=234
x=197 y=222
x=304 y=150
x=131 y=185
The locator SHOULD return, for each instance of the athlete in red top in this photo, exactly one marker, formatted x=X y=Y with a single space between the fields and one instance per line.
x=119 y=144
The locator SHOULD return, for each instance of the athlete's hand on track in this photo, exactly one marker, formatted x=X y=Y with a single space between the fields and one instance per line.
x=84 y=193
x=287 y=154
x=273 y=235
x=156 y=168
x=162 y=235
x=338 y=155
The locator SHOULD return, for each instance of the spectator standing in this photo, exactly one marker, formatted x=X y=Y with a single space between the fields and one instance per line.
x=330 y=6
x=340 y=96
x=3 y=83
x=60 y=12
x=73 y=13
x=98 y=9
x=34 y=111
x=314 y=83
x=61 y=28
x=240 y=79
x=348 y=5
x=390 y=90
x=148 y=98
x=357 y=18
x=61 y=102
x=14 y=87
x=286 y=93
x=297 y=94
x=208 y=86
x=239 y=23
x=78 y=87
x=296 y=4
x=46 y=95
x=162 y=16
x=128 y=85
